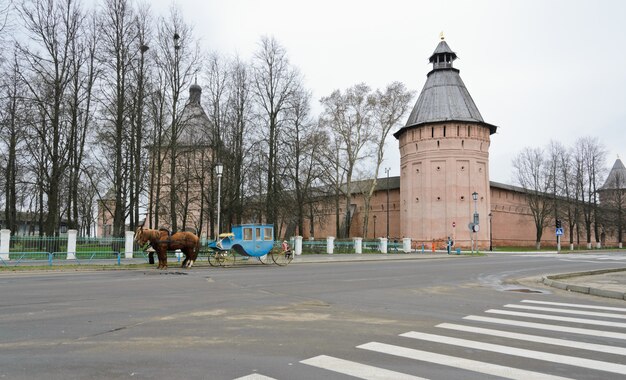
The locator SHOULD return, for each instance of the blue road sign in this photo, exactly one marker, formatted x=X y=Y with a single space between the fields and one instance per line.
x=559 y=231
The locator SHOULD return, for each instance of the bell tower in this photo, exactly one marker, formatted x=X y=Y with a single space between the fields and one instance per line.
x=444 y=159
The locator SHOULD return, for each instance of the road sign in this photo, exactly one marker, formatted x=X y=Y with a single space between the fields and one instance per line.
x=559 y=231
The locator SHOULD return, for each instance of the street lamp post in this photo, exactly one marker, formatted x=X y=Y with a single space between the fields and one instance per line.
x=490 y=233
x=219 y=168
x=387 y=171
x=475 y=222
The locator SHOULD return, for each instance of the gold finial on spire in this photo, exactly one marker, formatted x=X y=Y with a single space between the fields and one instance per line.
x=441 y=36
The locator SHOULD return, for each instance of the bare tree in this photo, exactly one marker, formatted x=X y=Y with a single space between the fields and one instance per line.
x=533 y=175
x=239 y=115
x=178 y=58
x=349 y=117
x=12 y=132
x=275 y=82
x=139 y=110
x=569 y=190
x=390 y=107
x=302 y=147
x=590 y=155
x=52 y=27
x=85 y=72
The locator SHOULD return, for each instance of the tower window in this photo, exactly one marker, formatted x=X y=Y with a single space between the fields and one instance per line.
x=432 y=132
x=437 y=143
x=444 y=131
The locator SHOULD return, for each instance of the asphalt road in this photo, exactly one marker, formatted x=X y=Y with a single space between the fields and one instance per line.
x=312 y=321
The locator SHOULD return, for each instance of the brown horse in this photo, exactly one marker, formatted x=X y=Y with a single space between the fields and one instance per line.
x=162 y=241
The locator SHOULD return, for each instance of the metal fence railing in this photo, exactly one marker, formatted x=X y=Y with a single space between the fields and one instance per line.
x=37 y=250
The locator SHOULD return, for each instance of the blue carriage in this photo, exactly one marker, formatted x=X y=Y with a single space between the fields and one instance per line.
x=248 y=240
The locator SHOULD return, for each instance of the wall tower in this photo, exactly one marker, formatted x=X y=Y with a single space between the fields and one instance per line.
x=444 y=158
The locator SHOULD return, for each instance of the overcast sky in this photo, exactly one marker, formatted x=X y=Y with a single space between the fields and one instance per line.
x=539 y=70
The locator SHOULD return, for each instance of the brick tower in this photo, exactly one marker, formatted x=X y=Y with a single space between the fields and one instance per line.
x=444 y=159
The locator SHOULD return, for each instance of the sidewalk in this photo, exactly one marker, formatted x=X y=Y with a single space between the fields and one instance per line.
x=610 y=283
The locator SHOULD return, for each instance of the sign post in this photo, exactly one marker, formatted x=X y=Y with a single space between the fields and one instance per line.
x=559 y=233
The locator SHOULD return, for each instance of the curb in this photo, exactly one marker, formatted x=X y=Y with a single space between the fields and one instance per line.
x=553 y=281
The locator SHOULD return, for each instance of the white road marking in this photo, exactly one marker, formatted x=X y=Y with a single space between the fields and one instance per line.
x=537 y=339
x=255 y=376
x=361 y=371
x=580 y=306
x=543 y=326
x=456 y=362
x=521 y=352
x=568 y=311
x=558 y=318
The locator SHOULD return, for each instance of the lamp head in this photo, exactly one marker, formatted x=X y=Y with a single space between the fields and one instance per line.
x=475 y=196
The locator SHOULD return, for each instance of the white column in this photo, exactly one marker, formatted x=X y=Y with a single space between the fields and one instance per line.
x=129 y=236
x=298 y=245
x=383 y=245
x=406 y=245
x=330 y=245
x=71 y=244
x=358 y=245
x=5 y=239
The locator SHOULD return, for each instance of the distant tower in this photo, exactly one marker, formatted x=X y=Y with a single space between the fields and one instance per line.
x=444 y=158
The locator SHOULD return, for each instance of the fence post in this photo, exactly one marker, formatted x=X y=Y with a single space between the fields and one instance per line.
x=5 y=239
x=330 y=245
x=298 y=245
x=358 y=245
x=71 y=244
x=383 y=245
x=128 y=244
x=406 y=245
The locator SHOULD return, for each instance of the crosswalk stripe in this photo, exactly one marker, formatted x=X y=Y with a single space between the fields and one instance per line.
x=557 y=318
x=580 y=306
x=361 y=371
x=537 y=339
x=521 y=352
x=567 y=311
x=456 y=362
x=544 y=326
x=255 y=376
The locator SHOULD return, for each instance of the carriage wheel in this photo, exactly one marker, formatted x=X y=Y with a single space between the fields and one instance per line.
x=282 y=258
x=265 y=259
x=224 y=258
x=215 y=258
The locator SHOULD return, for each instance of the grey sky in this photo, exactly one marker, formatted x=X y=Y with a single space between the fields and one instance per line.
x=539 y=70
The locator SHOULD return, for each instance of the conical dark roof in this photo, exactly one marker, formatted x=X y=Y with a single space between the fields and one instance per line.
x=442 y=47
x=444 y=96
x=616 y=178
